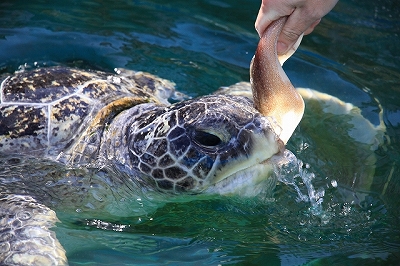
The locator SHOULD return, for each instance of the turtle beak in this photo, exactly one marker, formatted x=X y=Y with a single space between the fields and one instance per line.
x=277 y=157
x=253 y=176
x=265 y=144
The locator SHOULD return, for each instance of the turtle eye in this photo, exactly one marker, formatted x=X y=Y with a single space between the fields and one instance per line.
x=207 y=139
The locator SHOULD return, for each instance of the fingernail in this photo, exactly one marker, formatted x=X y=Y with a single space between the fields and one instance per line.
x=281 y=48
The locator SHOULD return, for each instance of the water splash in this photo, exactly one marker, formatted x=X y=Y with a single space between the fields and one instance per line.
x=292 y=171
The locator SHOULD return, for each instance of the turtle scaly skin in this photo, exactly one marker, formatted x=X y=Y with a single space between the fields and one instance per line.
x=25 y=235
x=44 y=109
x=112 y=120
x=94 y=133
x=190 y=145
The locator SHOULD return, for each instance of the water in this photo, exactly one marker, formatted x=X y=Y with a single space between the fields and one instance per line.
x=292 y=171
x=353 y=54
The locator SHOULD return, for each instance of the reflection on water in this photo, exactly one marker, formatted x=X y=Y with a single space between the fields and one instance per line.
x=353 y=54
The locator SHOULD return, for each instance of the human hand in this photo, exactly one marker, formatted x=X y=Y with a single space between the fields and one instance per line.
x=303 y=16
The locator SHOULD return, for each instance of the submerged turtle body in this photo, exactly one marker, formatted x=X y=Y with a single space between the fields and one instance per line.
x=327 y=120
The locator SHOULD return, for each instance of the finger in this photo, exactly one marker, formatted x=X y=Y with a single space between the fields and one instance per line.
x=296 y=25
x=270 y=11
x=283 y=57
x=264 y=18
x=311 y=28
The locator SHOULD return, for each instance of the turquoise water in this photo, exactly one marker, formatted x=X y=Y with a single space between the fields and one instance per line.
x=201 y=45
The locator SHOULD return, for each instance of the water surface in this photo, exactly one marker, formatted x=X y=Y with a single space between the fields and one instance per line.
x=353 y=54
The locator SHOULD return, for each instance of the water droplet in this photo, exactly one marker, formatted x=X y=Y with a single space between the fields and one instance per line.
x=49 y=184
x=294 y=172
x=302 y=238
x=4 y=247
x=97 y=197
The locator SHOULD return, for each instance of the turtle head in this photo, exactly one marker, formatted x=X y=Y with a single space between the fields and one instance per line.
x=196 y=145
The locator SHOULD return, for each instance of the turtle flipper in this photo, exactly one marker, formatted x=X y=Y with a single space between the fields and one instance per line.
x=335 y=127
x=25 y=237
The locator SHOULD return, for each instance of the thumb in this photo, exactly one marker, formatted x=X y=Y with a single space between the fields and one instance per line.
x=287 y=39
x=291 y=32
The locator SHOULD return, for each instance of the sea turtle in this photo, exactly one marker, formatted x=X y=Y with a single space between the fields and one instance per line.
x=83 y=141
x=96 y=132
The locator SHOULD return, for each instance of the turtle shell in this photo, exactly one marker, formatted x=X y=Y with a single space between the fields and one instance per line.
x=42 y=111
